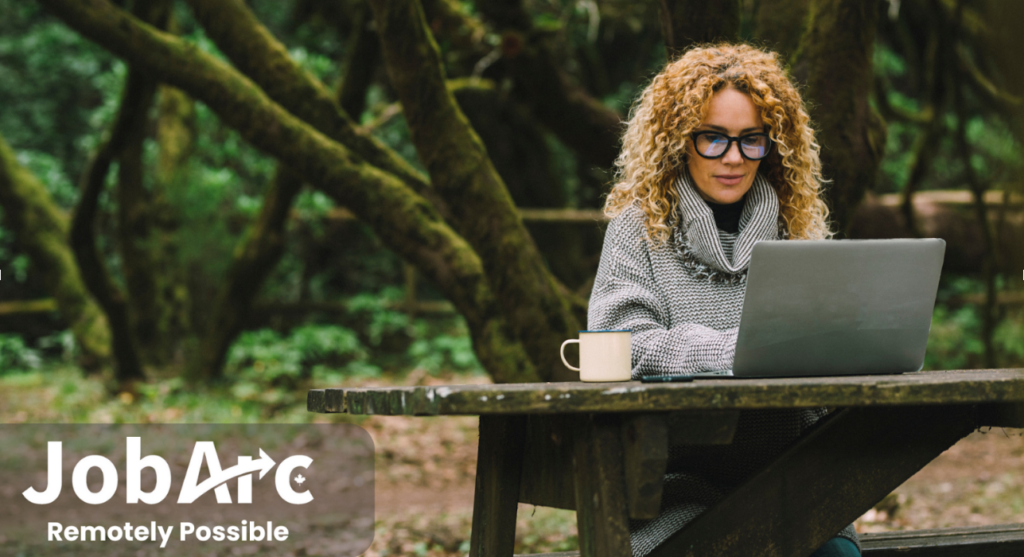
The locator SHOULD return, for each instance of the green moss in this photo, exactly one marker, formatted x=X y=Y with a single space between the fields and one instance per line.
x=41 y=228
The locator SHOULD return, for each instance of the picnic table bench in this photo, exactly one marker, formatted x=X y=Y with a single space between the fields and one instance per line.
x=601 y=449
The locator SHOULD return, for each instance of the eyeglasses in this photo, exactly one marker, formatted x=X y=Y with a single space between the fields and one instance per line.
x=714 y=145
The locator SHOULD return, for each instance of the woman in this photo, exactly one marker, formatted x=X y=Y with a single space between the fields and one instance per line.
x=718 y=155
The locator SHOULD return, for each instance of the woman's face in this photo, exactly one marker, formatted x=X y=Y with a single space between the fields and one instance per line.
x=726 y=179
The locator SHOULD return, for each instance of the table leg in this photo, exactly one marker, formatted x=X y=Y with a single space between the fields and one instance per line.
x=499 y=468
x=823 y=483
x=601 y=507
x=645 y=444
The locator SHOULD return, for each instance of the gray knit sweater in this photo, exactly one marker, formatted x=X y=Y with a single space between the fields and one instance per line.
x=683 y=302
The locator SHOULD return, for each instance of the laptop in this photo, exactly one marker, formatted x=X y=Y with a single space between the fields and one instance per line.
x=837 y=307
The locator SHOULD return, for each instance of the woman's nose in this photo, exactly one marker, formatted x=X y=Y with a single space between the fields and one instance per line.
x=733 y=156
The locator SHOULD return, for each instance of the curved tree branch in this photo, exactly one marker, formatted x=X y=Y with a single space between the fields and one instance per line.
x=405 y=221
x=483 y=212
x=258 y=55
x=137 y=97
x=42 y=232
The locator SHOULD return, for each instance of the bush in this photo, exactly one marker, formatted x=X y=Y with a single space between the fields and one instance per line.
x=15 y=356
x=267 y=357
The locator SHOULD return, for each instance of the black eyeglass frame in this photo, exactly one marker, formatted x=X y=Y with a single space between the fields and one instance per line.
x=767 y=151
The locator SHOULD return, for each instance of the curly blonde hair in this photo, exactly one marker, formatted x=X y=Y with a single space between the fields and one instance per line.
x=676 y=103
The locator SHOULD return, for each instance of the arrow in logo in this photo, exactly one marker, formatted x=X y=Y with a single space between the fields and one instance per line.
x=263 y=465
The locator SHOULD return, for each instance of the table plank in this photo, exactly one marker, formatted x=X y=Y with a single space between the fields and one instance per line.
x=1003 y=540
x=936 y=387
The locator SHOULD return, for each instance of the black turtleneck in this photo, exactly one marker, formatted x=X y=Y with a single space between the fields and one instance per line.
x=727 y=216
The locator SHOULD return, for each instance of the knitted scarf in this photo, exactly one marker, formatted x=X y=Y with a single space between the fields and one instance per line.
x=697 y=240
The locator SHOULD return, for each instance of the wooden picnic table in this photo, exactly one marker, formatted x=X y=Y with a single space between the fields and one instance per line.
x=602 y=449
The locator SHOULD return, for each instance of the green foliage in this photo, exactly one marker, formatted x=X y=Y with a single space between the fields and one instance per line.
x=53 y=84
x=1009 y=337
x=275 y=357
x=15 y=356
x=265 y=363
x=376 y=311
x=955 y=339
x=434 y=346
x=267 y=366
x=434 y=353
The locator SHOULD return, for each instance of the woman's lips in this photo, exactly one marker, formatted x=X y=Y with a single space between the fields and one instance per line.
x=729 y=179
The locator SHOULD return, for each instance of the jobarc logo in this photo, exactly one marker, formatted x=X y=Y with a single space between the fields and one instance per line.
x=191 y=489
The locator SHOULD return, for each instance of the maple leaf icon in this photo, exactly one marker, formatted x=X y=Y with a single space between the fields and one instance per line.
x=299 y=479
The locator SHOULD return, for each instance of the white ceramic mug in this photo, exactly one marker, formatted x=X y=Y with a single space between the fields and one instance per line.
x=604 y=355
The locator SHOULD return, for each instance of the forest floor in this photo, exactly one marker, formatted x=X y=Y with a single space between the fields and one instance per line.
x=425 y=468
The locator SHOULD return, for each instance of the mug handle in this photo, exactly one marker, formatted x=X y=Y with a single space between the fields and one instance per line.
x=562 y=353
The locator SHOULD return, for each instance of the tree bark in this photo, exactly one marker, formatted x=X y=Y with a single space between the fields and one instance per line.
x=537 y=307
x=140 y=265
x=360 y=63
x=405 y=221
x=41 y=229
x=307 y=100
x=147 y=224
x=136 y=98
x=516 y=145
x=836 y=57
x=685 y=23
x=142 y=213
x=464 y=33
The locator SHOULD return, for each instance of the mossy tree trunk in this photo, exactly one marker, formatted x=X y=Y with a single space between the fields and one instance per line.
x=538 y=308
x=145 y=222
x=255 y=51
x=136 y=99
x=405 y=221
x=41 y=230
x=835 y=60
x=136 y=316
x=261 y=58
x=517 y=146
